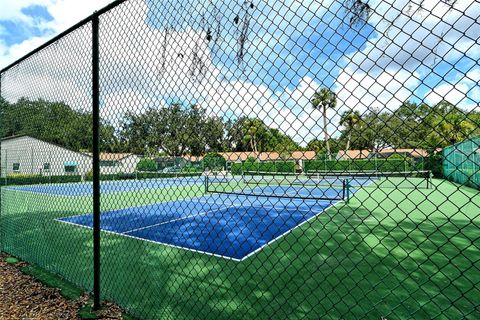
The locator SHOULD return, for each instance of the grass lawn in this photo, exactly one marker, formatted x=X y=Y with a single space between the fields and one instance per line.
x=396 y=253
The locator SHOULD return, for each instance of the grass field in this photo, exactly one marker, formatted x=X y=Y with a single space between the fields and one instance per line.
x=396 y=253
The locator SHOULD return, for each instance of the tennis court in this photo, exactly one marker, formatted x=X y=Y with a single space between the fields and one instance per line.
x=86 y=188
x=232 y=226
x=319 y=234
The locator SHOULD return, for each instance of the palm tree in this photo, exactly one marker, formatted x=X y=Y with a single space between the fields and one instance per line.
x=253 y=131
x=322 y=101
x=349 y=119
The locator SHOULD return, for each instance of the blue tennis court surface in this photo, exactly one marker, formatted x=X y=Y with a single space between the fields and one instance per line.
x=231 y=226
x=84 y=189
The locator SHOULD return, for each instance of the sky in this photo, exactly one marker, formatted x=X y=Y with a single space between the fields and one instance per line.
x=293 y=48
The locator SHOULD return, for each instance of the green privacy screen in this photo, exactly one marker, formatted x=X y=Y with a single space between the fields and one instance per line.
x=462 y=162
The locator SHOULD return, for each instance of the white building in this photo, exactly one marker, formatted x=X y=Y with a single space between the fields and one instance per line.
x=28 y=155
x=118 y=162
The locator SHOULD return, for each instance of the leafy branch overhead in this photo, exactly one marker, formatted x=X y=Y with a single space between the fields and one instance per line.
x=357 y=13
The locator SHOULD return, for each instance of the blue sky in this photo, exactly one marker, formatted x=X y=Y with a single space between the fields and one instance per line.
x=293 y=48
x=14 y=32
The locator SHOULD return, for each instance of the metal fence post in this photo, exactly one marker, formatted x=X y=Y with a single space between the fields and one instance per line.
x=1 y=172
x=96 y=162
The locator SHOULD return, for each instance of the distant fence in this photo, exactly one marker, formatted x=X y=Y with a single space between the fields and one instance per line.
x=386 y=165
x=461 y=162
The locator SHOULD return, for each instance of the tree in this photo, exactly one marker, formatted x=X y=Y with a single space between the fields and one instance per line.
x=147 y=165
x=254 y=133
x=279 y=142
x=319 y=146
x=175 y=130
x=449 y=124
x=54 y=122
x=349 y=120
x=214 y=161
x=323 y=100
x=214 y=133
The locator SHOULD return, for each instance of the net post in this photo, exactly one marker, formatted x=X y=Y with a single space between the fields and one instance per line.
x=346 y=190
x=429 y=179
x=206 y=183
x=96 y=160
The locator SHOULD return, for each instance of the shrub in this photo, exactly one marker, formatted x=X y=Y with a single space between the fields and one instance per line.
x=263 y=166
x=24 y=179
x=147 y=165
x=385 y=165
x=214 y=161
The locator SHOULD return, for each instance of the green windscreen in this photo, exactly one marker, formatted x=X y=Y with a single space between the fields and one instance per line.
x=461 y=162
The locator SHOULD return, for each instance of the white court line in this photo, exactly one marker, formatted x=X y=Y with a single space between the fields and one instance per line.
x=178 y=219
x=210 y=253
x=14 y=189
x=155 y=242
x=288 y=231
x=264 y=207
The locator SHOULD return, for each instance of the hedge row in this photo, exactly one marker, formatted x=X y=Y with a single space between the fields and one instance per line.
x=385 y=165
x=263 y=166
x=142 y=175
x=38 y=179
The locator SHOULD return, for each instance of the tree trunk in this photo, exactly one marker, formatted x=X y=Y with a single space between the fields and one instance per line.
x=325 y=131
x=349 y=139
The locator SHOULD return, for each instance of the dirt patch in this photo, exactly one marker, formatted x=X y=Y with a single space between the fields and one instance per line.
x=23 y=297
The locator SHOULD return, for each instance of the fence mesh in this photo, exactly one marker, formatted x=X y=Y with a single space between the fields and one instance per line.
x=46 y=105
x=258 y=159
x=461 y=162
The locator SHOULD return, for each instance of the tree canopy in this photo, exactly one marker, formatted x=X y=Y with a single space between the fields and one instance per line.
x=54 y=122
x=178 y=130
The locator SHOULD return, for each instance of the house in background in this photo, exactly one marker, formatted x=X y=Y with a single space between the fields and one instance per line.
x=240 y=156
x=298 y=157
x=352 y=154
x=27 y=155
x=111 y=163
x=383 y=153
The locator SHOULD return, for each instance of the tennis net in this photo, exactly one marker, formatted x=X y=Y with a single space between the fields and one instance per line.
x=363 y=179
x=278 y=186
x=379 y=179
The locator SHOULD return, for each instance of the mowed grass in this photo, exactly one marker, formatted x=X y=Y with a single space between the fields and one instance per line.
x=392 y=253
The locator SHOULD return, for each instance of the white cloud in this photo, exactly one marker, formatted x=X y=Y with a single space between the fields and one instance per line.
x=362 y=91
x=465 y=93
x=65 y=13
x=385 y=73
x=410 y=42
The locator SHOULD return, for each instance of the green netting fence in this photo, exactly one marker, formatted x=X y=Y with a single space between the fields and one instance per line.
x=390 y=165
x=461 y=162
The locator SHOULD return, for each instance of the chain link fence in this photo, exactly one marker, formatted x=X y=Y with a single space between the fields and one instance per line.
x=251 y=159
x=462 y=162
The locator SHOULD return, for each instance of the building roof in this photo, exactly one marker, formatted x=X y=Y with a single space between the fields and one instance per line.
x=105 y=156
x=415 y=153
x=352 y=154
x=192 y=158
x=364 y=154
x=43 y=141
x=262 y=156
x=304 y=155
x=16 y=136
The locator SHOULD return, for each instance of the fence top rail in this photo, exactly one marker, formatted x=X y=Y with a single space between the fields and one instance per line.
x=63 y=34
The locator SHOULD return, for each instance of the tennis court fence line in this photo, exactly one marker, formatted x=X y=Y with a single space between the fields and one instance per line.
x=250 y=159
